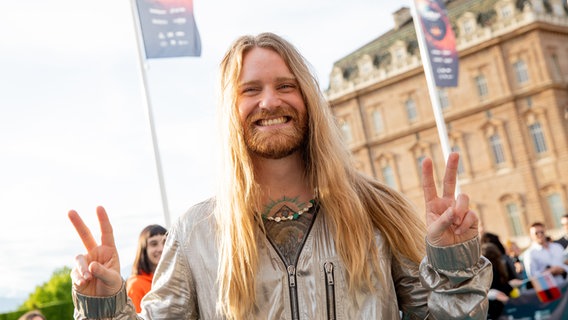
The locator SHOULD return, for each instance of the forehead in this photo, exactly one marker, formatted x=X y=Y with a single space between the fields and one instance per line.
x=156 y=237
x=259 y=62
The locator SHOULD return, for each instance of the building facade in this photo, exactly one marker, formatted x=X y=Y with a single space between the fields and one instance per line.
x=508 y=116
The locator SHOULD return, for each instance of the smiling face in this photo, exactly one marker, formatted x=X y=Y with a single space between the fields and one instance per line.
x=270 y=104
x=538 y=234
x=154 y=248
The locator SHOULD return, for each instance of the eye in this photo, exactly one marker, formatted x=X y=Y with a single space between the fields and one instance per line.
x=287 y=86
x=249 y=90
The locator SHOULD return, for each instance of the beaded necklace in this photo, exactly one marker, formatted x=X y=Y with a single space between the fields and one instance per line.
x=293 y=216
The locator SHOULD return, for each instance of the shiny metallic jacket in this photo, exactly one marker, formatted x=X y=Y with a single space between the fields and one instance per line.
x=450 y=283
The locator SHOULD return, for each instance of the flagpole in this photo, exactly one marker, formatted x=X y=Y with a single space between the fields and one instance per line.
x=148 y=101
x=432 y=88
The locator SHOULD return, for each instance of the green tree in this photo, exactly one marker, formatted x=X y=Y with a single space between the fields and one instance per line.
x=53 y=298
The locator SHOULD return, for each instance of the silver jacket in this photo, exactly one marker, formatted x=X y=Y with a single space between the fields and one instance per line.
x=450 y=283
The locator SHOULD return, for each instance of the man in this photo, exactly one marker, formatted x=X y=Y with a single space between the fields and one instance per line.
x=563 y=241
x=543 y=255
x=294 y=230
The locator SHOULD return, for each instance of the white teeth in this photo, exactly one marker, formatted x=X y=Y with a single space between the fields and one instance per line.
x=271 y=122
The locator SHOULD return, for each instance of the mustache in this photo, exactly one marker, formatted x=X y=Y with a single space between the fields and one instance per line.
x=273 y=113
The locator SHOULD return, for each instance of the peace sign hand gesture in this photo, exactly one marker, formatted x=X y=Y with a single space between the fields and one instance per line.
x=449 y=220
x=96 y=273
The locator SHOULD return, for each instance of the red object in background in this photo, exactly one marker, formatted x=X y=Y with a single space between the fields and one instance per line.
x=546 y=288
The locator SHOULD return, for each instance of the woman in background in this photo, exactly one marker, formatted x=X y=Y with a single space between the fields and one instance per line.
x=150 y=246
x=501 y=286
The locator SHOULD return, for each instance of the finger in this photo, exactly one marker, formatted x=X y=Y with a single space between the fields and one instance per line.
x=450 y=175
x=107 y=236
x=469 y=221
x=428 y=184
x=442 y=223
x=461 y=208
x=102 y=273
x=76 y=278
x=82 y=229
x=82 y=267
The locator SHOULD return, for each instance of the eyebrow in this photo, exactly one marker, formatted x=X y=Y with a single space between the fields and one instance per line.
x=278 y=80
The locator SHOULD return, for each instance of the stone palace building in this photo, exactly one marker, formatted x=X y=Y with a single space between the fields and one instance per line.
x=508 y=116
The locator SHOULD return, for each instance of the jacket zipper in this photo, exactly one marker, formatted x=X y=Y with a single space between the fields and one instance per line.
x=330 y=290
x=291 y=269
x=293 y=292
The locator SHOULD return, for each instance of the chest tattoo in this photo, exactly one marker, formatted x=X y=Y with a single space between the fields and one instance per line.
x=288 y=235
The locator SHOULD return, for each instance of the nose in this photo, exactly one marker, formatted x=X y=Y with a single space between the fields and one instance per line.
x=269 y=99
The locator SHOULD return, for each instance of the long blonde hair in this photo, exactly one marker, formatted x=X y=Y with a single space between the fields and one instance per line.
x=355 y=204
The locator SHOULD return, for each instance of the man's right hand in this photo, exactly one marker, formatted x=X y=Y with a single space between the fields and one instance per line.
x=96 y=273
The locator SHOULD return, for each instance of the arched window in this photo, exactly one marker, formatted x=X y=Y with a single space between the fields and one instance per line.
x=388 y=176
x=411 y=112
x=514 y=218
x=377 y=118
x=481 y=85
x=497 y=148
x=521 y=71
x=346 y=131
x=516 y=222
x=537 y=137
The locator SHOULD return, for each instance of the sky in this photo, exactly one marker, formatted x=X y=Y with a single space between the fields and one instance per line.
x=74 y=129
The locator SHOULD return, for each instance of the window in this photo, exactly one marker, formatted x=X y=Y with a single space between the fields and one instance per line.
x=387 y=170
x=556 y=207
x=365 y=65
x=377 y=117
x=346 y=130
x=537 y=136
x=497 y=149
x=468 y=26
x=521 y=72
x=399 y=54
x=481 y=84
x=529 y=102
x=411 y=112
x=514 y=218
x=419 y=161
x=444 y=100
x=506 y=12
x=388 y=176
x=556 y=67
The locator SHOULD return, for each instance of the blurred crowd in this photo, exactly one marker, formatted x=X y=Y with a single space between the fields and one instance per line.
x=542 y=265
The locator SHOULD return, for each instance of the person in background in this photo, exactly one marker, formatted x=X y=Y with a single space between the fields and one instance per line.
x=32 y=315
x=295 y=231
x=488 y=237
x=150 y=245
x=563 y=241
x=501 y=287
x=543 y=255
x=514 y=252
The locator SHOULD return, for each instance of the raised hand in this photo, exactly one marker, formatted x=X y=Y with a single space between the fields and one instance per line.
x=449 y=220
x=96 y=273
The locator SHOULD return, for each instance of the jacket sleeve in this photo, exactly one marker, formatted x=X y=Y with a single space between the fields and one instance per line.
x=172 y=296
x=458 y=279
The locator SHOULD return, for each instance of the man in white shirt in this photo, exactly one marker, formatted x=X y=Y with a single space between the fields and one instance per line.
x=544 y=255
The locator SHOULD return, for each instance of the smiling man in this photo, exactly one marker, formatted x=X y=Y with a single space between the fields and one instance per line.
x=543 y=255
x=295 y=231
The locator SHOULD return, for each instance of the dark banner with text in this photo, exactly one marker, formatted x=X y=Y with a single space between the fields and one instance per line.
x=440 y=41
x=168 y=28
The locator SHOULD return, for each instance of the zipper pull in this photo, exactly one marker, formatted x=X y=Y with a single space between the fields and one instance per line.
x=329 y=272
x=292 y=276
